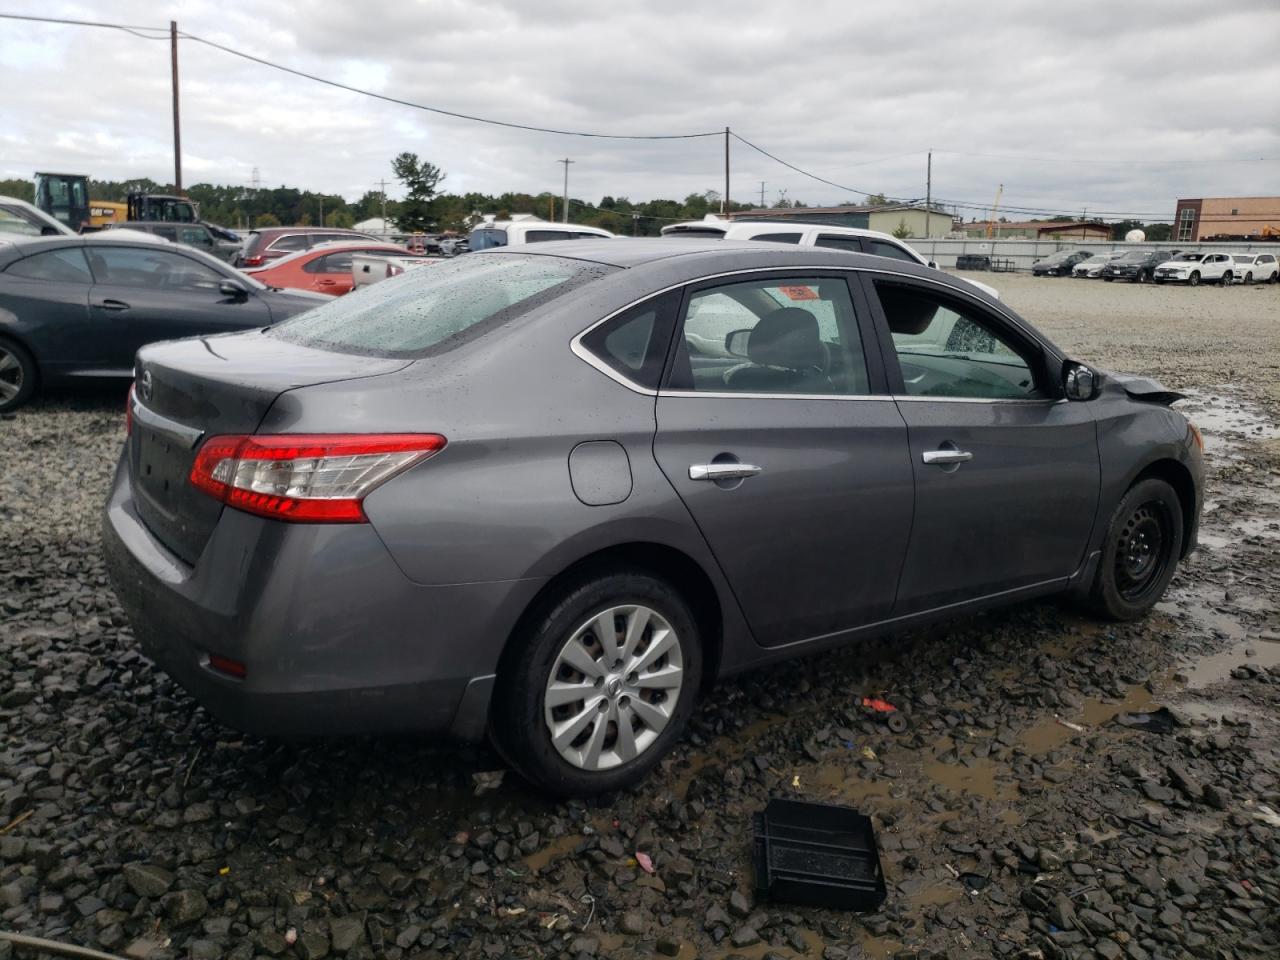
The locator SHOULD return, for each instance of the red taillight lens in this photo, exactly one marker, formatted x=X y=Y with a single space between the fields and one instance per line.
x=232 y=668
x=128 y=412
x=253 y=261
x=315 y=478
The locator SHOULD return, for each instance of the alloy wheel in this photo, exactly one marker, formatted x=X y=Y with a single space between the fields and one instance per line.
x=613 y=687
x=1142 y=550
x=11 y=375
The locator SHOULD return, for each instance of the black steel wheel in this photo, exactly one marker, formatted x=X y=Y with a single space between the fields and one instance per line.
x=1140 y=553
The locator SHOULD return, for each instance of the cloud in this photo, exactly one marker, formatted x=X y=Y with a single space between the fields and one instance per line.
x=831 y=86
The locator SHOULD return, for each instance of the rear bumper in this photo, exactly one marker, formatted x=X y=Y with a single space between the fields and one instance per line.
x=334 y=638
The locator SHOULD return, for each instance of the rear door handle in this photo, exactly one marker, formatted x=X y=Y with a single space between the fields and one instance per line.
x=113 y=305
x=943 y=457
x=723 y=471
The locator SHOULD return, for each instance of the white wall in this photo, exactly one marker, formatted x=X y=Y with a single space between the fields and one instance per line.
x=1026 y=252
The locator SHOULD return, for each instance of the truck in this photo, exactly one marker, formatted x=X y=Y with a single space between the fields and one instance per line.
x=65 y=197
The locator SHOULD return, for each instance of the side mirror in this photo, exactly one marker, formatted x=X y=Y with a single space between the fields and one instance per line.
x=1078 y=381
x=233 y=290
x=48 y=231
x=735 y=343
x=934 y=264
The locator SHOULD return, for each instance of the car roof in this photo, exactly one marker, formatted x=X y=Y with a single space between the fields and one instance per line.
x=717 y=254
x=30 y=246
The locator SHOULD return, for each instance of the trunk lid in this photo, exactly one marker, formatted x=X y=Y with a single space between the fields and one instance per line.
x=189 y=390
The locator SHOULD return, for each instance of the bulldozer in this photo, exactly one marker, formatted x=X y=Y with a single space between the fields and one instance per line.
x=65 y=197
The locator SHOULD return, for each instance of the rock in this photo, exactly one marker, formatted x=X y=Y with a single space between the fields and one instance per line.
x=185 y=906
x=1063 y=913
x=1047 y=860
x=668 y=946
x=147 y=880
x=739 y=905
x=744 y=937
x=313 y=945
x=346 y=932
x=633 y=923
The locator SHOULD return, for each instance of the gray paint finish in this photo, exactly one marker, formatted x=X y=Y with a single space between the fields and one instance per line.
x=401 y=623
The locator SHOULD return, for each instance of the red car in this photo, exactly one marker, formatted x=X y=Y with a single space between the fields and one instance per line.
x=325 y=268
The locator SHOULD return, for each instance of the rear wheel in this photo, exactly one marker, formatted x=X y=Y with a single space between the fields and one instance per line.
x=1226 y=280
x=17 y=375
x=602 y=685
x=1141 y=551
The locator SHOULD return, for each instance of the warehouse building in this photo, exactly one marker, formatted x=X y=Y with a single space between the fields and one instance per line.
x=1214 y=218
x=913 y=220
x=1039 y=230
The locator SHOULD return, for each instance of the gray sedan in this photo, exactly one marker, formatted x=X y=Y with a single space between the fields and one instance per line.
x=74 y=307
x=552 y=493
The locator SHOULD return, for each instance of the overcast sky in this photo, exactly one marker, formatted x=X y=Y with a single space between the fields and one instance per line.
x=854 y=92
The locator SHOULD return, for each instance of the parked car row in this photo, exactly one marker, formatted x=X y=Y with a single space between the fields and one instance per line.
x=1162 y=266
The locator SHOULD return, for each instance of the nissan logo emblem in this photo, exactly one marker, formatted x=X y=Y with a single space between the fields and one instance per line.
x=144 y=386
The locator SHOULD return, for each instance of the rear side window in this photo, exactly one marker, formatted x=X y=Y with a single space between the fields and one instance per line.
x=779 y=237
x=487 y=239
x=290 y=243
x=59 y=266
x=408 y=315
x=543 y=236
x=634 y=343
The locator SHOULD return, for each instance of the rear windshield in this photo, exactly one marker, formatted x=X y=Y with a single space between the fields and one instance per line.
x=408 y=315
x=488 y=237
x=710 y=233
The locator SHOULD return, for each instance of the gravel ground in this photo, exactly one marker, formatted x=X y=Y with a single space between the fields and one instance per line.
x=1019 y=815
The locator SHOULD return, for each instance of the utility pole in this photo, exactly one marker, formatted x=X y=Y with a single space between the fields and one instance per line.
x=382 y=188
x=724 y=203
x=564 y=214
x=762 y=194
x=322 y=211
x=635 y=224
x=177 y=127
x=928 y=195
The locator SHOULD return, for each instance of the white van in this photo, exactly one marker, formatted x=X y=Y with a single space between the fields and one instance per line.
x=515 y=233
x=852 y=239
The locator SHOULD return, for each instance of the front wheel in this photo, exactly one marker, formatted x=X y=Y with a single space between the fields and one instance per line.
x=1143 y=276
x=602 y=685
x=1248 y=279
x=1226 y=280
x=1140 y=554
x=1194 y=279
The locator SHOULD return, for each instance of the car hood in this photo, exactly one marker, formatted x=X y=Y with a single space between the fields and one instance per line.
x=1179 y=264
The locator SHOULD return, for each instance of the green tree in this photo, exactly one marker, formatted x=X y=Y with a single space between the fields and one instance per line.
x=420 y=178
x=902 y=231
x=266 y=220
x=1159 y=232
x=877 y=200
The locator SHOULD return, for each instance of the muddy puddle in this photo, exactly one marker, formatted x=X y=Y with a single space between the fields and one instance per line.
x=1055 y=732
x=1224 y=420
x=1207 y=671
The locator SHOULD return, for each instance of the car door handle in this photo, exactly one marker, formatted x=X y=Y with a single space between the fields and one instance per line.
x=943 y=457
x=723 y=471
x=113 y=305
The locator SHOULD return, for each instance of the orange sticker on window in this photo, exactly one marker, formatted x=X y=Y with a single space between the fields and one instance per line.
x=799 y=293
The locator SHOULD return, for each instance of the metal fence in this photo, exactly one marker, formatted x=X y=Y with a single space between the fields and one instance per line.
x=1023 y=253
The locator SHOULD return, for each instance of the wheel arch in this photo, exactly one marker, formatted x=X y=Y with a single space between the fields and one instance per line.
x=1176 y=474
x=8 y=335
x=662 y=561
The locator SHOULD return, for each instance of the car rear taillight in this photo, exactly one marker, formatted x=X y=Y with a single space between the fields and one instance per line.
x=253 y=261
x=314 y=478
x=231 y=668
x=128 y=412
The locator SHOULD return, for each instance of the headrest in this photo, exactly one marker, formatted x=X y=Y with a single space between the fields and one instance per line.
x=787 y=337
x=907 y=312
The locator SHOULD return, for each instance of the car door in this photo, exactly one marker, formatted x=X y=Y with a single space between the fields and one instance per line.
x=775 y=431
x=144 y=294
x=46 y=298
x=1006 y=470
x=332 y=272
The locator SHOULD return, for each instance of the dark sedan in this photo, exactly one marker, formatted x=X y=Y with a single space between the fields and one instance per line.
x=551 y=492
x=73 y=307
x=1138 y=266
x=1059 y=264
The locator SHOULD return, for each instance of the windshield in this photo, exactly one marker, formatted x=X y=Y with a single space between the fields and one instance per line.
x=1244 y=257
x=407 y=315
x=486 y=238
x=1135 y=255
x=1097 y=258
x=1189 y=257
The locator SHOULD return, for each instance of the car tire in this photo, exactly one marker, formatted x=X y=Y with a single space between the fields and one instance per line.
x=1194 y=279
x=1108 y=279
x=1248 y=279
x=555 y=649
x=18 y=375
x=1226 y=280
x=1140 y=552
x=1142 y=276
x=1275 y=277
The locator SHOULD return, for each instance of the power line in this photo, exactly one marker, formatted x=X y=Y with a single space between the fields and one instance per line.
x=1096 y=160
x=162 y=32
x=368 y=93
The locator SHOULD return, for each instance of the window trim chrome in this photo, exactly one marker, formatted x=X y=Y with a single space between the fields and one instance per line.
x=582 y=353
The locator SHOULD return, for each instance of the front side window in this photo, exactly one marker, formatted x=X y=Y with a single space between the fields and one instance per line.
x=777 y=336
x=339 y=262
x=58 y=266
x=290 y=243
x=882 y=248
x=412 y=313
x=852 y=244
x=946 y=348
x=11 y=222
x=155 y=269
x=195 y=237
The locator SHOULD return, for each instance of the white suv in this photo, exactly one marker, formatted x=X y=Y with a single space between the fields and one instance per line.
x=515 y=233
x=852 y=239
x=1194 y=269
x=1255 y=268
